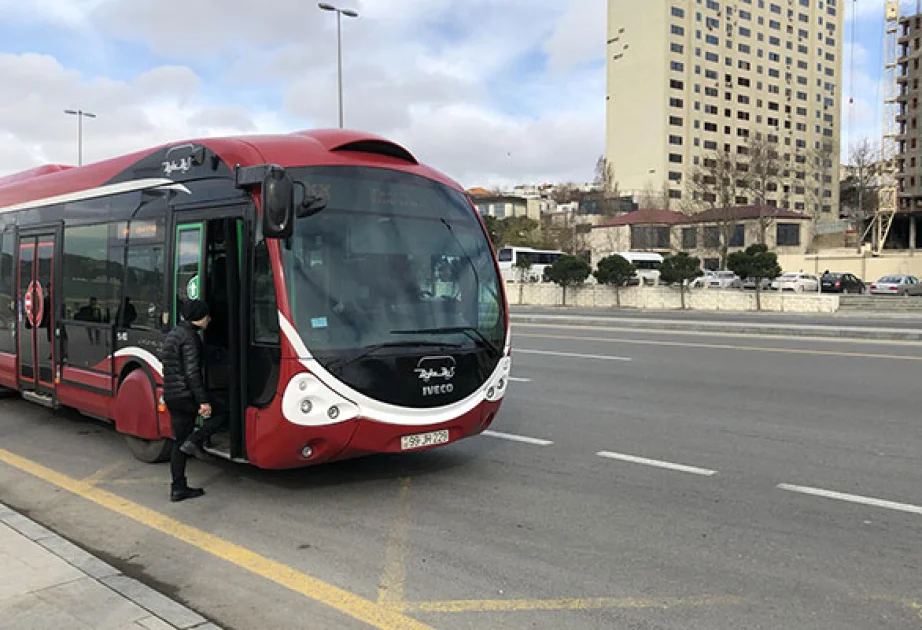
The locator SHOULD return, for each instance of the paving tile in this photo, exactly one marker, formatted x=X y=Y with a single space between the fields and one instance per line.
x=78 y=557
x=158 y=604
x=30 y=612
x=93 y=604
x=25 y=566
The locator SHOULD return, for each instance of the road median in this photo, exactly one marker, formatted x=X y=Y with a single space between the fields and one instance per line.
x=780 y=329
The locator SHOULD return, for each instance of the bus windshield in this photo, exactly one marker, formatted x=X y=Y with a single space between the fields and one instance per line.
x=392 y=261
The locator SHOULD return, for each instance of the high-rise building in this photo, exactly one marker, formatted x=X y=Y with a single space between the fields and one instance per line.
x=690 y=77
x=909 y=153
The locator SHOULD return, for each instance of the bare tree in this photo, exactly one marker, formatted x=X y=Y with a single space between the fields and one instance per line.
x=763 y=168
x=653 y=197
x=719 y=184
x=858 y=196
x=816 y=168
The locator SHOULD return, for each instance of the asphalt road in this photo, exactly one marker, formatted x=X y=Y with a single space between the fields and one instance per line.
x=632 y=480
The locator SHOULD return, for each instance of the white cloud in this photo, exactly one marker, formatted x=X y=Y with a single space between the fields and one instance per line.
x=487 y=92
x=160 y=105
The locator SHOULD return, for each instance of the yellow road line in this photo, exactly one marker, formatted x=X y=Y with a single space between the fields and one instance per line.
x=348 y=603
x=101 y=474
x=720 y=346
x=904 y=602
x=131 y=481
x=394 y=575
x=574 y=603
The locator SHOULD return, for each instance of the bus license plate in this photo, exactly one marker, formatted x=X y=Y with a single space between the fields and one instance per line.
x=419 y=440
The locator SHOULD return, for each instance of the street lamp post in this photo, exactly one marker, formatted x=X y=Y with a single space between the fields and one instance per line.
x=339 y=48
x=80 y=114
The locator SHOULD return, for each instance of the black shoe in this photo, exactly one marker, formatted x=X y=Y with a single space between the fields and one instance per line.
x=180 y=494
x=194 y=449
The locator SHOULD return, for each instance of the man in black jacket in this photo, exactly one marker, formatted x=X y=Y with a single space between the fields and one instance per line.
x=184 y=392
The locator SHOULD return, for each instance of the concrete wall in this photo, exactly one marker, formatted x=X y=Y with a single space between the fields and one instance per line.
x=868 y=268
x=668 y=298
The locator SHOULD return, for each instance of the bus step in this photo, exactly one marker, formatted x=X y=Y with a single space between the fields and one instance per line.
x=45 y=400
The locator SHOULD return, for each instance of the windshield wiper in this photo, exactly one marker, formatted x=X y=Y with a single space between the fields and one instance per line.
x=341 y=363
x=471 y=331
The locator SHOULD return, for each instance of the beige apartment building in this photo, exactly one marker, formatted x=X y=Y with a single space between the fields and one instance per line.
x=687 y=77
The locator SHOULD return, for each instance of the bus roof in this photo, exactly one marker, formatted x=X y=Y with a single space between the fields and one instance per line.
x=302 y=148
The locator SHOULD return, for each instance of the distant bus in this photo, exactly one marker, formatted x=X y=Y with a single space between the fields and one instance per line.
x=540 y=259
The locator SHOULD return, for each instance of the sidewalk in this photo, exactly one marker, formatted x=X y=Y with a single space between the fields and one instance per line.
x=48 y=583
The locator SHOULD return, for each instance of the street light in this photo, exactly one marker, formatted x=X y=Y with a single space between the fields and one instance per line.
x=80 y=114
x=339 y=48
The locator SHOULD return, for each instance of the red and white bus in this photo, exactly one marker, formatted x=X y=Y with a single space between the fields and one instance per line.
x=356 y=300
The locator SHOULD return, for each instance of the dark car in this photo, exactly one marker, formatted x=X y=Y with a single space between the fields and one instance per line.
x=841 y=283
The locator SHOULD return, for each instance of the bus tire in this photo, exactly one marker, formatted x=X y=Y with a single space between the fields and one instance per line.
x=149 y=451
x=134 y=418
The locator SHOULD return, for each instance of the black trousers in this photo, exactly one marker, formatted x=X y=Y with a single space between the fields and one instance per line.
x=183 y=414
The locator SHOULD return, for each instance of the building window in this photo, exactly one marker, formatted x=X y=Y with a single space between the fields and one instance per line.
x=677 y=140
x=788 y=234
x=676 y=85
x=677 y=66
x=711 y=237
x=675 y=176
x=676 y=121
x=677 y=48
x=675 y=158
x=649 y=237
x=677 y=30
x=738 y=238
x=675 y=194
x=678 y=12
x=689 y=238
x=676 y=102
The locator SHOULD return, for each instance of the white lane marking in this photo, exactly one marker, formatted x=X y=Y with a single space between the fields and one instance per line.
x=518 y=438
x=519 y=380
x=854 y=498
x=657 y=463
x=601 y=357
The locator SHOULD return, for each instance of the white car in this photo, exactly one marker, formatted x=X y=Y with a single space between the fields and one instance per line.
x=724 y=280
x=797 y=281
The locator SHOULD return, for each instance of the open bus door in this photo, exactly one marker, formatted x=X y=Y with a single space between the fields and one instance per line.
x=209 y=260
x=35 y=300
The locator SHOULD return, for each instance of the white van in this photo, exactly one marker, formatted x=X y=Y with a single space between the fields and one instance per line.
x=647 y=264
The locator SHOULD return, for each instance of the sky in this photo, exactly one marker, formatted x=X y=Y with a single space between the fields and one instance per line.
x=490 y=92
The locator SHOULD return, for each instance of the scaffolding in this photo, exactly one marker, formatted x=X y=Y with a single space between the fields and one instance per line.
x=887 y=196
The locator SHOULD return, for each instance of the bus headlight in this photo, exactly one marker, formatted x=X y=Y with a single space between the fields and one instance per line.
x=496 y=386
x=308 y=402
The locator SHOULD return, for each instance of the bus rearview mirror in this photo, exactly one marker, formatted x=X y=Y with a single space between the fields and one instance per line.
x=278 y=204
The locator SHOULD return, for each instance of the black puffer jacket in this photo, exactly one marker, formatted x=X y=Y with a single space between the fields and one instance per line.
x=182 y=365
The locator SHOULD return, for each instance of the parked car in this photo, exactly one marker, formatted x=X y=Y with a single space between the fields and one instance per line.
x=724 y=280
x=702 y=281
x=796 y=281
x=897 y=284
x=750 y=283
x=842 y=283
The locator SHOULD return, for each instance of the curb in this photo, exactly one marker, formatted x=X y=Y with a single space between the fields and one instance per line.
x=170 y=612
x=781 y=330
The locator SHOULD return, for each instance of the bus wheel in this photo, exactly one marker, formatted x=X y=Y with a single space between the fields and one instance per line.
x=149 y=451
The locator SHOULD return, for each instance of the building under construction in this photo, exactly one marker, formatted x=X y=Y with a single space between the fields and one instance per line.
x=898 y=216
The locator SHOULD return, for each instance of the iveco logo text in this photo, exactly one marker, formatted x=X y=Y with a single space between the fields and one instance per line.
x=436 y=368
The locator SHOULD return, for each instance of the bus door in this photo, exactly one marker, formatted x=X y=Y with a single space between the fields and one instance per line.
x=35 y=289
x=208 y=265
